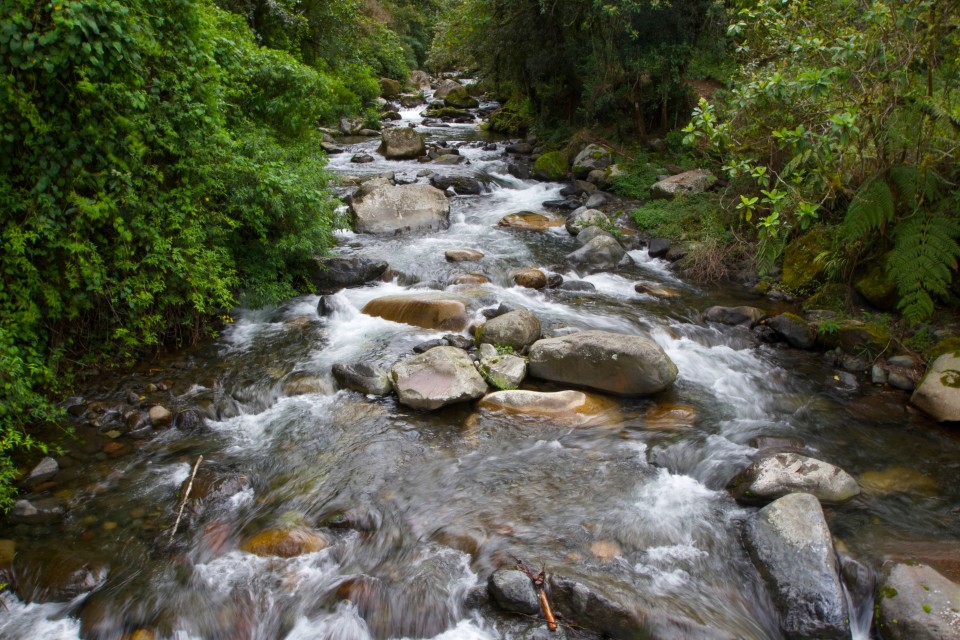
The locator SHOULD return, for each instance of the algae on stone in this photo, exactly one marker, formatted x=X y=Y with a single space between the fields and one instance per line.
x=801 y=271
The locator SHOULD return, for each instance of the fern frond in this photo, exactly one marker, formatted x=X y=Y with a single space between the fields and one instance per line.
x=769 y=249
x=923 y=261
x=870 y=210
x=914 y=187
x=939 y=112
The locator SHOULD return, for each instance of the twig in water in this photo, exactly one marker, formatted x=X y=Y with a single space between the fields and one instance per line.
x=539 y=585
x=186 y=495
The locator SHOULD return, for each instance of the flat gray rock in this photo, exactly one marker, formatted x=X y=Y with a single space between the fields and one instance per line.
x=775 y=476
x=917 y=603
x=441 y=376
x=393 y=208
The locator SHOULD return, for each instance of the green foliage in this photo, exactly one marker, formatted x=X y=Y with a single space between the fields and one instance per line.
x=871 y=209
x=637 y=178
x=922 y=262
x=692 y=217
x=513 y=118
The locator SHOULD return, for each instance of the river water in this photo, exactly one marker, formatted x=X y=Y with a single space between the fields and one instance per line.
x=419 y=508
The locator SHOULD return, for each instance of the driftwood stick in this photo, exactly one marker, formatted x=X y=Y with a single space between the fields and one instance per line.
x=186 y=496
x=539 y=581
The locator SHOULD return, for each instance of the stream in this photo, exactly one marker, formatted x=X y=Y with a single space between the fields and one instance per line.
x=419 y=508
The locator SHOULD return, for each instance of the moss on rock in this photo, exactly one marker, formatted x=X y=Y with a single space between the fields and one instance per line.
x=857 y=338
x=551 y=166
x=874 y=285
x=461 y=99
x=831 y=297
x=801 y=272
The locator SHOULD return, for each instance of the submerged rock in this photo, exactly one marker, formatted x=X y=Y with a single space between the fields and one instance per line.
x=747 y=316
x=517 y=329
x=575 y=407
x=394 y=208
x=530 y=221
x=285 y=542
x=430 y=311
x=613 y=362
x=441 y=376
x=791 y=546
x=670 y=417
x=778 y=475
x=655 y=291
x=463 y=255
x=938 y=393
x=917 y=603
x=362 y=377
x=55 y=575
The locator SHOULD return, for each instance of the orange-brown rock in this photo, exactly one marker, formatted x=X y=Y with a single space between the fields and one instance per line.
x=530 y=221
x=430 y=311
x=574 y=407
x=655 y=291
x=670 y=417
x=471 y=278
x=285 y=542
x=530 y=278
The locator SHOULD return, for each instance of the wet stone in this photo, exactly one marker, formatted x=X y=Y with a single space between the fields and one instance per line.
x=43 y=471
x=778 y=475
x=55 y=575
x=362 y=377
x=512 y=591
x=37 y=512
x=160 y=416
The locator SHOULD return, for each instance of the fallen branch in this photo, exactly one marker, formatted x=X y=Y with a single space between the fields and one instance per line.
x=539 y=585
x=186 y=495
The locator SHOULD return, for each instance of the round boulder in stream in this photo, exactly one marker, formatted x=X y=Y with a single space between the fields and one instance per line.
x=778 y=475
x=791 y=546
x=441 y=376
x=613 y=362
x=401 y=143
x=394 y=208
x=939 y=392
x=601 y=253
x=517 y=329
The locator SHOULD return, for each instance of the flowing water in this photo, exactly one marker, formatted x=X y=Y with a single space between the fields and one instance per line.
x=419 y=508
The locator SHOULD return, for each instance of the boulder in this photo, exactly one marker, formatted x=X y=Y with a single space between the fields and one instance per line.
x=801 y=271
x=408 y=101
x=583 y=218
x=876 y=287
x=577 y=285
x=285 y=542
x=351 y=126
x=334 y=274
x=160 y=416
x=427 y=310
x=392 y=116
x=463 y=185
x=530 y=221
x=612 y=362
x=574 y=407
x=746 y=316
x=855 y=336
x=363 y=377
x=419 y=80
x=362 y=158
x=791 y=546
x=602 y=253
x=592 y=157
x=648 y=289
x=777 y=475
x=55 y=574
x=394 y=208
x=449 y=159
x=517 y=329
x=445 y=88
x=460 y=98
x=512 y=591
x=658 y=247
x=401 y=143
x=530 y=278
x=683 y=184
x=917 y=603
x=938 y=393
x=597 y=199
x=551 y=167
x=441 y=376
x=590 y=233
x=793 y=329
x=48 y=467
x=502 y=371
x=463 y=255
x=389 y=88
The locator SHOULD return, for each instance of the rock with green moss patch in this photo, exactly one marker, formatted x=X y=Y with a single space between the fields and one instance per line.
x=831 y=297
x=856 y=337
x=918 y=603
x=460 y=98
x=550 y=166
x=593 y=157
x=793 y=329
x=874 y=285
x=801 y=271
x=938 y=393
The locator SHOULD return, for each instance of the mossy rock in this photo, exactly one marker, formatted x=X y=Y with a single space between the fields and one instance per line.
x=447 y=112
x=509 y=120
x=949 y=345
x=551 y=166
x=801 y=272
x=856 y=338
x=831 y=297
x=874 y=285
x=460 y=98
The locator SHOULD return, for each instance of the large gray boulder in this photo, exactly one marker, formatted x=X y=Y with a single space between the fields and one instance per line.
x=917 y=603
x=791 y=546
x=394 y=208
x=463 y=185
x=938 y=393
x=441 y=376
x=402 y=142
x=601 y=253
x=683 y=184
x=460 y=98
x=612 y=362
x=783 y=473
x=445 y=88
x=334 y=274
x=518 y=329
x=593 y=157
x=794 y=329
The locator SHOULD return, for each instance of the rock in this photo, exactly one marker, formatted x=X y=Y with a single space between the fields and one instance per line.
x=655 y=291
x=160 y=416
x=593 y=157
x=550 y=167
x=189 y=421
x=583 y=218
x=47 y=468
x=504 y=371
x=746 y=316
x=393 y=208
x=520 y=148
x=362 y=377
x=512 y=591
x=917 y=603
x=408 y=101
x=854 y=336
x=392 y=116
x=577 y=285
x=530 y=221
x=44 y=511
x=401 y=143
x=574 y=407
x=590 y=233
x=362 y=158
x=368 y=133
x=938 y=393
x=568 y=205
x=445 y=88
x=389 y=88
x=460 y=98
x=658 y=247
x=430 y=311
x=901 y=382
x=677 y=252
x=459 y=341
x=530 y=278
x=470 y=279
x=602 y=253
x=213 y=485
x=897 y=480
x=876 y=287
x=878 y=375
x=331 y=148
x=588 y=608
x=451 y=159
x=684 y=184
x=612 y=362
x=801 y=270
x=518 y=329
x=670 y=417
x=430 y=344
x=597 y=199
x=334 y=274
x=791 y=546
x=441 y=376
x=499 y=310
x=463 y=185
x=285 y=542
x=793 y=329
x=351 y=126
x=419 y=80
x=463 y=255
x=775 y=476
x=55 y=574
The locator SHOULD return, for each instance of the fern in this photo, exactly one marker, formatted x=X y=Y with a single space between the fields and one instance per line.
x=913 y=187
x=769 y=250
x=922 y=262
x=871 y=209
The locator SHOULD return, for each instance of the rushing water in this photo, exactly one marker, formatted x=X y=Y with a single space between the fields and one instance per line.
x=434 y=502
